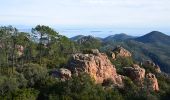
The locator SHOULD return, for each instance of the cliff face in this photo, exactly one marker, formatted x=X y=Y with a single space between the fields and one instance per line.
x=97 y=65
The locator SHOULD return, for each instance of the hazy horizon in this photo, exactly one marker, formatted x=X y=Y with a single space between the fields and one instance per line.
x=97 y=32
x=119 y=16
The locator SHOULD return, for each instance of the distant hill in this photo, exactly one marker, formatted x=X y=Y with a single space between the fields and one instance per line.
x=155 y=37
x=154 y=46
x=79 y=37
x=88 y=42
x=75 y=38
x=85 y=39
x=117 y=37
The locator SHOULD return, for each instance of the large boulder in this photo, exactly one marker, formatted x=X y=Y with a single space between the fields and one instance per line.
x=62 y=73
x=136 y=73
x=98 y=66
x=121 y=52
x=152 y=83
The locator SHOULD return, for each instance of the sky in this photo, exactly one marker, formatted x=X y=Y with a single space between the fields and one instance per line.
x=135 y=17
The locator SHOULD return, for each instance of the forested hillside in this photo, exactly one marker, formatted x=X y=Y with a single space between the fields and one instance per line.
x=152 y=46
x=44 y=65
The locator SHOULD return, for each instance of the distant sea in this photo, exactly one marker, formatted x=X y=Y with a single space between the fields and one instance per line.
x=73 y=32
x=100 y=32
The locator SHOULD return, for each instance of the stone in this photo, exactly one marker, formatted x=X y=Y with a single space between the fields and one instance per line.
x=62 y=73
x=97 y=66
x=121 y=52
x=157 y=69
x=65 y=72
x=20 y=50
x=149 y=63
x=136 y=66
x=152 y=83
x=113 y=55
x=136 y=73
x=95 y=51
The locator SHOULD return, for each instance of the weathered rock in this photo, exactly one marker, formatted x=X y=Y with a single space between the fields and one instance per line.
x=136 y=66
x=136 y=73
x=152 y=83
x=20 y=50
x=121 y=52
x=65 y=72
x=157 y=69
x=113 y=55
x=149 y=63
x=94 y=51
x=62 y=73
x=97 y=66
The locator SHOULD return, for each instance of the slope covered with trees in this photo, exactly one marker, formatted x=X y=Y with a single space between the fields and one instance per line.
x=27 y=60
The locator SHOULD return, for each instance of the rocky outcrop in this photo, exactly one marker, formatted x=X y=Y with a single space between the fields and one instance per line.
x=152 y=83
x=97 y=65
x=62 y=73
x=157 y=69
x=113 y=55
x=20 y=50
x=121 y=52
x=149 y=63
x=136 y=73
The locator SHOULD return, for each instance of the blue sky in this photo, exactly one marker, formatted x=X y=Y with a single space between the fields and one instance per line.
x=131 y=16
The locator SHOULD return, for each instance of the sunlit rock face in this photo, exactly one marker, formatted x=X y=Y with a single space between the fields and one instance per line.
x=121 y=52
x=152 y=83
x=136 y=73
x=97 y=65
x=113 y=55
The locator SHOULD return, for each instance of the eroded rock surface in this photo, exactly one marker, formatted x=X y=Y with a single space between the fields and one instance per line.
x=152 y=83
x=97 y=65
x=121 y=52
x=136 y=73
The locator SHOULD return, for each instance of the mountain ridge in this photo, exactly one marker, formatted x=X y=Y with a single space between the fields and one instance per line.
x=154 y=37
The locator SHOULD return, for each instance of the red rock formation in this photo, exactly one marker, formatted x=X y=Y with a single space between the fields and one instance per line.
x=97 y=65
x=121 y=52
x=152 y=83
x=136 y=73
